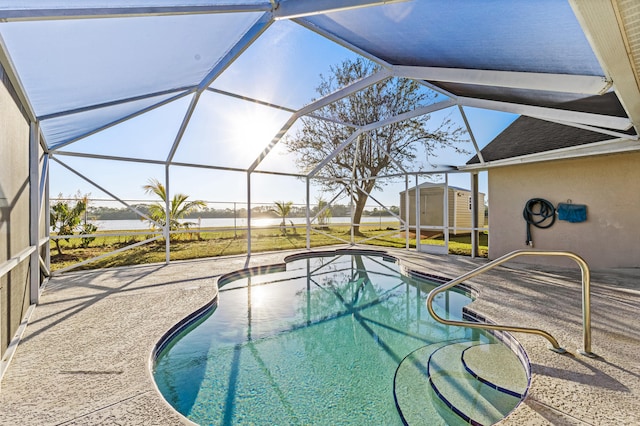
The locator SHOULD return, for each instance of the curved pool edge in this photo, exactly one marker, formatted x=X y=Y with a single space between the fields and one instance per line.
x=184 y=420
x=165 y=340
x=468 y=313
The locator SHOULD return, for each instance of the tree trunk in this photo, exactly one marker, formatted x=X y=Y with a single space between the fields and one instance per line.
x=357 y=214
x=57 y=242
x=361 y=201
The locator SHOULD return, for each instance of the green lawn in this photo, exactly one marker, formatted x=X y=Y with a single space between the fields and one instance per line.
x=211 y=243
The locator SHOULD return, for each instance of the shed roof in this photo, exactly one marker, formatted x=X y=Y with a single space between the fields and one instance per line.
x=440 y=185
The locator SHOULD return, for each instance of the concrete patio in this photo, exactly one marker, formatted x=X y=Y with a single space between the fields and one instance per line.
x=84 y=358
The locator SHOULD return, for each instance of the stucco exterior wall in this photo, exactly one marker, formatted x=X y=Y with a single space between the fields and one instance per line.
x=609 y=186
x=14 y=214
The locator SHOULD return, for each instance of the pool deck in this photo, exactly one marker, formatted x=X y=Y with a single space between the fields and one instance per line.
x=84 y=357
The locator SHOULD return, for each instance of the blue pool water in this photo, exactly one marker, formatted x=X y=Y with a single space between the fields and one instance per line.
x=317 y=342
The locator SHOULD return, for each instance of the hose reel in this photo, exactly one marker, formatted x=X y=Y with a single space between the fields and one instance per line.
x=539 y=213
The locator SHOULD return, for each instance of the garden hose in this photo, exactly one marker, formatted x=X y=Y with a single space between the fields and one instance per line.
x=536 y=212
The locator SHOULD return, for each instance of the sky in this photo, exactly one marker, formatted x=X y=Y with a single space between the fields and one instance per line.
x=282 y=67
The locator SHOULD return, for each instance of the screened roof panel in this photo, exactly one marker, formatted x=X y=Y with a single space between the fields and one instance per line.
x=421 y=97
x=67 y=127
x=283 y=66
x=512 y=35
x=81 y=74
x=71 y=64
x=147 y=136
x=280 y=159
x=116 y=177
x=228 y=132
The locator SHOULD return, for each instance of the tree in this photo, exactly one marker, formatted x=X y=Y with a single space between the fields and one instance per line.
x=65 y=218
x=323 y=212
x=282 y=209
x=178 y=208
x=365 y=159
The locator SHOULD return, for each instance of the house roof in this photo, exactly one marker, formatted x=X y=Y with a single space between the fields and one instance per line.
x=527 y=135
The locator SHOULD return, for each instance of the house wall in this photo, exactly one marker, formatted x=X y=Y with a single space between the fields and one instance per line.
x=608 y=185
x=14 y=212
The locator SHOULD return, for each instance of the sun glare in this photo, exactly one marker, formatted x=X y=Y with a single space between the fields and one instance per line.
x=252 y=130
x=258 y=296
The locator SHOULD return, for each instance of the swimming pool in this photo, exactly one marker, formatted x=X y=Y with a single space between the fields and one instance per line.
x=337 y=339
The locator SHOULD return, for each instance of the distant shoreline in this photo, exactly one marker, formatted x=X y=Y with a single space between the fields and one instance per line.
x=142 y=225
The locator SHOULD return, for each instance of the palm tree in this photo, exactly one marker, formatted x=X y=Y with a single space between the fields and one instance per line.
x=178 y=209
x=323 y=211
x=282 y=209
x=65 y=219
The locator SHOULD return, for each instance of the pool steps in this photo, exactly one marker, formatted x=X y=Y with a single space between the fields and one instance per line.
x=505 y=376
x=461 y=381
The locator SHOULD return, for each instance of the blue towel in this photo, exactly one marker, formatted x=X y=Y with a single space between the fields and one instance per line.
x=572 y=212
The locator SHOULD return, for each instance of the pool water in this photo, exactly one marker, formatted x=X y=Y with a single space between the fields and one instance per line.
x=317 y=342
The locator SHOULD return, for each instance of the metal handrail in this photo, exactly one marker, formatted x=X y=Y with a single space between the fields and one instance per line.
x=586 y=299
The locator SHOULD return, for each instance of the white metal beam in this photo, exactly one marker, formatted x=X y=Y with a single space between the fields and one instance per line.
x=388 y=121
x=606 y=34
x=109 y=157
x=388 y=154
x=118 y=121
x=545 y=113
x=473 y=138
x=249 y=99
x=328 y=205
x=300 y=8
x=102 y=256
x=319 y=103
x=14 y=78
x=379 y=203
x=183 y=126
x=9 y=264
x=586 y=84
x=133 y=209
x=276 y=106
x=335 y=153
x=179 y=91
x=34 y=210
x=597 y=148
x=167 y=216
x=258 y=28
x=174 y=163
x=345 y=91
x=31 y=10
x=42 y=187
x=410 y=114
x=245 y=41
x=598 y=130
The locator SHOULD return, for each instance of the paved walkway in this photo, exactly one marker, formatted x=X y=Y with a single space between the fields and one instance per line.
x=85 y=356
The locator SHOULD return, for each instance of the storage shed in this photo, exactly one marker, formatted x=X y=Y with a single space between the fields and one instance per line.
x=432 y=199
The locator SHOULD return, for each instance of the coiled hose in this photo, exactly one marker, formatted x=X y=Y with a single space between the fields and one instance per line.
x=536 y=212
